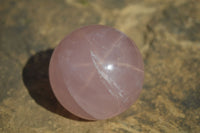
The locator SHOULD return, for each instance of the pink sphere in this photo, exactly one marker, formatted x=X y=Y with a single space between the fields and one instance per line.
x=96 y=72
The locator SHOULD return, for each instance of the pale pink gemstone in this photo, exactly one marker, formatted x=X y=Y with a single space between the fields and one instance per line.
x=96 y=72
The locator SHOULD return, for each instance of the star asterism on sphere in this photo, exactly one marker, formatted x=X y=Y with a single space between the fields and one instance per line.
x=96 y=72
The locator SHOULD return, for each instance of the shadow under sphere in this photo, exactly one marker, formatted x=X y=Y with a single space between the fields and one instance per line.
x=36 y=79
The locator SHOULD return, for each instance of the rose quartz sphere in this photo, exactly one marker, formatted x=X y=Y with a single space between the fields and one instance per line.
x=96 y=72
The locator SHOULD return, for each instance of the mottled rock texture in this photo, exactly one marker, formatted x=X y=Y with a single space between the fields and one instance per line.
x=166 y=32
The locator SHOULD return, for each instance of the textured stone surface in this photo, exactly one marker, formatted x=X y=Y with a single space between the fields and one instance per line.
x=96 y=72
x=166 y=32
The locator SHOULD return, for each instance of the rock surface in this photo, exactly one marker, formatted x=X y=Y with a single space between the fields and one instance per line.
x=166 y=32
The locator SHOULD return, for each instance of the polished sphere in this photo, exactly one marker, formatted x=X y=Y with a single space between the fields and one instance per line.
x=96 y=72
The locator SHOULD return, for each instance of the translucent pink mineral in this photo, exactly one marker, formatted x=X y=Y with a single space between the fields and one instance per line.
x=96 y=72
